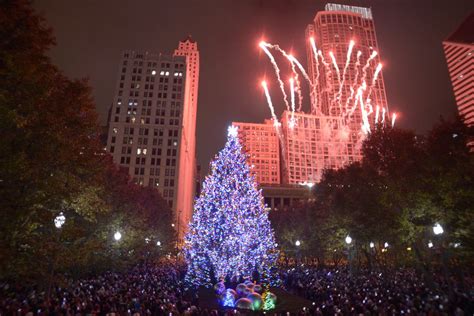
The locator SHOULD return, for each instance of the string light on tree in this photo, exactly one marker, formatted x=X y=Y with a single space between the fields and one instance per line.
x=229 y=235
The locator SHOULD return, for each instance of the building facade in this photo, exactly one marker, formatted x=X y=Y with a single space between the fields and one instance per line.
x=316 y=143
x=187 y=150
x=285 y=197
x=152 y=123
x=459 y=52
x=333 y=30
x=260 y=143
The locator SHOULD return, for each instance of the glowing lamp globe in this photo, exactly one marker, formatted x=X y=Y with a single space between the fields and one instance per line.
x=117 y=236
x=59 y=220
x=241 y=288
x=257 y=302
x=348 y=239
x=372 y=245
x=269 y=300
x=232 y=292
x=438 y=229
x=243 y=303
x=298 y=243
x=247 y=291
x=228 y=299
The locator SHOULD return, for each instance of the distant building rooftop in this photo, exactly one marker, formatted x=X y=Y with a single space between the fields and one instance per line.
x=365 y=12
x=465 y=32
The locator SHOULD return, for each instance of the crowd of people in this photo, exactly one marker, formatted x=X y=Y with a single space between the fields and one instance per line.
x=158 y=289
x=403 y=291
x=151 y=289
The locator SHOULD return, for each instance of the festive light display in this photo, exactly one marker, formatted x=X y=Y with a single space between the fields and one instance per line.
x=229 y=235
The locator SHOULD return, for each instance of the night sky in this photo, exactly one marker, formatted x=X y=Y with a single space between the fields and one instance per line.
x=92 y=34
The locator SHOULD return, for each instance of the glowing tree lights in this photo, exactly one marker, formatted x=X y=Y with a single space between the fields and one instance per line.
x=230 y=235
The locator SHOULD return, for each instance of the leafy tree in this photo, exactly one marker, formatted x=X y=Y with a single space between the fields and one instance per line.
x=51 y=162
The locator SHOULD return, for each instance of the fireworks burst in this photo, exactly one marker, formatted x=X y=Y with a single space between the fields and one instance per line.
x=357 y=93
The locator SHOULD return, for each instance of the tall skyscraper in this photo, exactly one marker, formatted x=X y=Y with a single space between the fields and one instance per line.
x=333 y=30
x=187 y=150
x=459 y=52
x=152 y=123
x=260 y=143
x=347 y=78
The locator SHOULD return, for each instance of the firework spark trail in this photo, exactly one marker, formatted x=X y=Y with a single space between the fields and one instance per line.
x=367 y=65
x=383 y=116
x=352 y=88
x=305 y=75
x=263 y=46
x=315 y=84
x=293 y=63
x=377 y=113
x=292 y=89
x=394 y=117
x=270 y=104
x=334 y=63
x=360 y=92
x=374 y=79
x=292 y=60
x=348 y=59
x=365 y=120
x=296 y=78
x=328 y=71
x=276 y=124
x=300 y=67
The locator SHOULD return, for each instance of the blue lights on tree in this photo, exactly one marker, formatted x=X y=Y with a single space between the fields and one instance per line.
x=229 y=235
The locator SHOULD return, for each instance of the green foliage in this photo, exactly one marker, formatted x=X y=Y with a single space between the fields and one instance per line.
x=51 y=161
x=403 y=186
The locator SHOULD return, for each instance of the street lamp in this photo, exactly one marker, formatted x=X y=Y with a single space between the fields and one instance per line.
x=348 y=241
x=438 y=229
x=430 y=244
x=298 y=243
x=158 y=243
x=117 y=236
x=59 y=220
x=386 y=245
x=372 y=245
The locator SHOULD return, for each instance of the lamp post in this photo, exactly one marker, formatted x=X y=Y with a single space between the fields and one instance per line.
x=59 y=222
x=297 y=244
x=438 y=231
x=348 y=241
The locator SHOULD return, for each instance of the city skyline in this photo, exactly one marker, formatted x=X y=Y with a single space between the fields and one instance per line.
x=219 y=104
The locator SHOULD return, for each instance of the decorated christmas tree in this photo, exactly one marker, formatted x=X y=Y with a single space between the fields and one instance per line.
x=229 y=235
